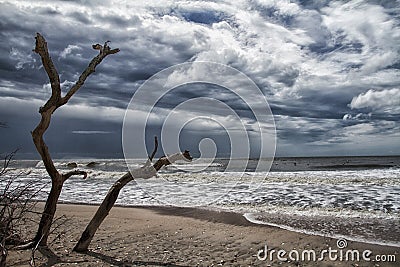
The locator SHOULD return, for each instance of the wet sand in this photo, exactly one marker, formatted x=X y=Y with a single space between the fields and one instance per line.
x=170 y=236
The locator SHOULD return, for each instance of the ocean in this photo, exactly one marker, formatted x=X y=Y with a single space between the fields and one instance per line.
x=357 y=198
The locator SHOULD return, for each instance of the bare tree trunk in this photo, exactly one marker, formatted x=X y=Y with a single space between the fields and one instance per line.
x=55 y=101
x=48 y=214
x=101 y=213
x=145 y=172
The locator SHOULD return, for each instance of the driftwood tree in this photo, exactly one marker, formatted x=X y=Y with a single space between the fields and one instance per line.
x=147 y=171
x=55 y=101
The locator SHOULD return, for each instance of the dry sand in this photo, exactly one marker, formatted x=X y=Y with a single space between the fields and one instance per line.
x=165 y=236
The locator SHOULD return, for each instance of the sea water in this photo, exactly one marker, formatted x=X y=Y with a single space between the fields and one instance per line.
x=357 y=198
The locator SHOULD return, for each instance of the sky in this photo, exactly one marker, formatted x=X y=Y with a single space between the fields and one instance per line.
x=328 y=69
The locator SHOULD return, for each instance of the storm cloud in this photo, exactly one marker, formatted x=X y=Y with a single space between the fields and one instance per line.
x=329 y=70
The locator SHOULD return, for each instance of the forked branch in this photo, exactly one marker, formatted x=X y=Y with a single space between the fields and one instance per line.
x=55 y=101
x=145 y=172
x=104 y=51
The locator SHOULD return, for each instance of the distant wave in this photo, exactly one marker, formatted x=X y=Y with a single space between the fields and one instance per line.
x=356 y=166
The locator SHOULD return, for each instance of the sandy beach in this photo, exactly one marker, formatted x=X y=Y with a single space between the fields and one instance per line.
x=170 y=236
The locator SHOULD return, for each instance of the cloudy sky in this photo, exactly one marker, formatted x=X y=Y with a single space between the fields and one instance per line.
x=329 y=70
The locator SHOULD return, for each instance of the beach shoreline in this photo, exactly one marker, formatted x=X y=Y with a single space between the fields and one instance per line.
x=175 y=236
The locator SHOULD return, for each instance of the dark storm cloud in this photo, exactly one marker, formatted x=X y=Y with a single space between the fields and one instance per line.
x=314 y=4
x=310 y=135
x=329 y=69
x=190 y=91
x=81 y=17
x=203 y=17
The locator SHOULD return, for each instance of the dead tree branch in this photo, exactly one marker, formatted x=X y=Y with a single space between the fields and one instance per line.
x=16 y=201
x=55 y=101
x=75 y=172
x=144 y=172
x=150 y=159
x=7 y=160
x=155 y=149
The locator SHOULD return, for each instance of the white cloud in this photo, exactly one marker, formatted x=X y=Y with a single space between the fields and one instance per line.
x=367 y=30
x=275 y=55
x=362 y=22
x=379 y=61
x=282 y=7
x=359 y=116
x=377 y=128
x=65 y=85
x=110 y=114
x=22 y=59
x=68 y=50
x=384 y=100
x=82 y=111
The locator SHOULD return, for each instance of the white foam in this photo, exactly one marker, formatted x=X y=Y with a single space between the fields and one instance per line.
x=340 y=194
x=39 y=164
x=312 y=211
x=251 y=218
